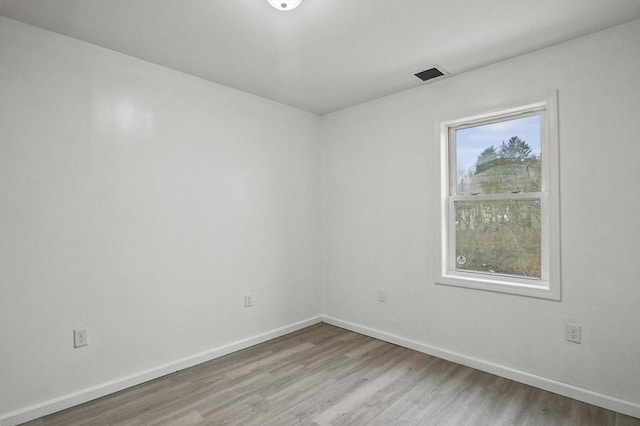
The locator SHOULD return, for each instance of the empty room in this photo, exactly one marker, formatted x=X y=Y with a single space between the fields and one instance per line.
x=319 y=212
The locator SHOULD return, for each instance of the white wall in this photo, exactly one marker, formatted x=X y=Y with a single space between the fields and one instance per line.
x=142 y=203
x=380 y=206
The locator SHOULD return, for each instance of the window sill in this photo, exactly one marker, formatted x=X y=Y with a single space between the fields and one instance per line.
x=541 y=289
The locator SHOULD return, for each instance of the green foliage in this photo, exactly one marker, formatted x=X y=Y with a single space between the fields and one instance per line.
x=501 y=236
x=515 y=149
x=486 y=159
x=512 y=168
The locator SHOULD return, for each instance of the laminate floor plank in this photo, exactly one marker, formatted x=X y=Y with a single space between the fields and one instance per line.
x=372 y=407
x=325 y=375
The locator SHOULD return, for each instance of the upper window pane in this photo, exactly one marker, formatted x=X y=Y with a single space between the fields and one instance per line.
x=501 y=157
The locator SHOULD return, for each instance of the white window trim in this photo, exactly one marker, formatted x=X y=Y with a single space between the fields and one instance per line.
x=548 y=287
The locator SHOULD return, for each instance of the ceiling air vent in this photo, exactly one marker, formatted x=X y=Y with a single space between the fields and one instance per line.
x=429 y=74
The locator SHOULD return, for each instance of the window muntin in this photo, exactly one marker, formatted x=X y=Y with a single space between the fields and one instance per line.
x=500 y=221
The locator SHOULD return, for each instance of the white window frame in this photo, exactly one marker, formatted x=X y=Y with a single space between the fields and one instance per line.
x=548 y=285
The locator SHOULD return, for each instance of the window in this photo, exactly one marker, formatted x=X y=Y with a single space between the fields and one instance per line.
x=499 y=227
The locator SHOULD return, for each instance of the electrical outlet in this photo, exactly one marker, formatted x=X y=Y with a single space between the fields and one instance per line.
x=573 y=332
x=248 y=300
x=382 y=295
x=80 y=337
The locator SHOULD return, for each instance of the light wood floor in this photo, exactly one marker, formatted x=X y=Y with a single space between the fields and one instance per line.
x=326 y=375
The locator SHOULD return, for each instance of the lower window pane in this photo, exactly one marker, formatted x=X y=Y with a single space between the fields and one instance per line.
x=499 y=237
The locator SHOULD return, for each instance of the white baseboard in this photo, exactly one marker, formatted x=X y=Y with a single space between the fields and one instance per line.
x=575 y=392
x=66 y=401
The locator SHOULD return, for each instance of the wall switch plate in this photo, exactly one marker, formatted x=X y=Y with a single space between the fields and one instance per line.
x=248 y=300
x=573 y=332
x=80 y=337
x=382 y=295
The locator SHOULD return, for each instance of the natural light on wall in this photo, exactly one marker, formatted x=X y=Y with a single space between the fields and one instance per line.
x=122 y=114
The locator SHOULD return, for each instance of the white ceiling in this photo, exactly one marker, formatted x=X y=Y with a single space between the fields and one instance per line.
x=326 y=54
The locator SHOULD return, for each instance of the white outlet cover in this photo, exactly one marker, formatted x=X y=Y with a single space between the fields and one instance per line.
x=248 y=300
x=573 y=332
x=80 y=337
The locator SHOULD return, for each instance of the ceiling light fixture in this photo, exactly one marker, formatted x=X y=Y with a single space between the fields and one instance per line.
x=285 y=5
